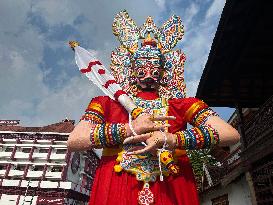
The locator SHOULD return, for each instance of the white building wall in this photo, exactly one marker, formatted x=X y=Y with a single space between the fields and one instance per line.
x=11 y=200
x=238 y=193
x=7 y=182
x=36 y=167
x=8 y=199
x=28 y=200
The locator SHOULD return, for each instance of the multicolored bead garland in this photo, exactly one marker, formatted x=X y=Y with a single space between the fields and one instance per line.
x=107 y=134
x=201 y=137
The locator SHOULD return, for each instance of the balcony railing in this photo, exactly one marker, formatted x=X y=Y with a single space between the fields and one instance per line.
x=261 y=124
x=231 y=161
x=221 y=174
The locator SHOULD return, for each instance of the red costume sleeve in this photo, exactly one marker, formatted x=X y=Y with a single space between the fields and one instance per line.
x=191 y=107
x=184 y=110
x=95 y=111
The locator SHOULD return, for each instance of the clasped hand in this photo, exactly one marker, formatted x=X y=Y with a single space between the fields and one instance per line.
x=150 y=133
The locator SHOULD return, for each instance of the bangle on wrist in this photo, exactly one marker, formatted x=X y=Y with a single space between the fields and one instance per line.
x=107 y=134
x=136 y=112
x=201 y=137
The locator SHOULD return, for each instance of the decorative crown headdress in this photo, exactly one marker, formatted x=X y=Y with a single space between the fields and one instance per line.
x=172 y=83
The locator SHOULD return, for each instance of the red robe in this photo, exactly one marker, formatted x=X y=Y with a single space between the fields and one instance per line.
x=122 y=188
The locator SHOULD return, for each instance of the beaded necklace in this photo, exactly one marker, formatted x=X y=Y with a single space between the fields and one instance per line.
x=158 y=106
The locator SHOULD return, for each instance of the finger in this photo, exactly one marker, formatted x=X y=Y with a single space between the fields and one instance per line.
x=160 y=128
x=137 y=138
x=154 y=152
x=162 y=118
x=150 y=147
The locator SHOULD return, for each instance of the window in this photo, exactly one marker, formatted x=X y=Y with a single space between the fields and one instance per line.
x=2 y=166
x=9 y=149
x=19 y=167
x=43 y=150
x=56 y=169
x=52 y=180
x=220 y=200
x=16 y=177
x=26 y=150
x=61 y=151
x=37 y=168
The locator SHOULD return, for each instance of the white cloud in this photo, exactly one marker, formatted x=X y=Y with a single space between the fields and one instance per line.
x=191 y=87
x=190 y=12
x=70 y=101
x=56 y=12
x=197 y=43
x=13 y=15
x=160 y=4
x=24 y=93
x=21 y=79
x=215 y=8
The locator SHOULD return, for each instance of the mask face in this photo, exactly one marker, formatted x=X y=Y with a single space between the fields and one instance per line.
x=148 y=72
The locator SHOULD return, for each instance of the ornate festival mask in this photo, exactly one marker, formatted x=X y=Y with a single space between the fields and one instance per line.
x=148 y=64
x=152 y=64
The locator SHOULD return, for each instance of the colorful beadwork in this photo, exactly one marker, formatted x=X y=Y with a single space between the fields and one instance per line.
x=152 y=107
x=194 y=109
x=166 y=158
x=92 y=117
x=136 y=112
x=126 y=30
x=125 y=57
x=202 y=116
x=145 y=196
x=145 y=166
x=107 y=134
x=201 y=137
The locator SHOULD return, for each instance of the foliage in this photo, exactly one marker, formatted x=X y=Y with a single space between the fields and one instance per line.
x=198 y=158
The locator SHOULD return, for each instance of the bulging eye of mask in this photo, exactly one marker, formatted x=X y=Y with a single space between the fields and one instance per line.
x=140 y=74
x=155 y=73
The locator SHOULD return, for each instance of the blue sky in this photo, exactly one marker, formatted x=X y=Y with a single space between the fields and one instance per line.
x=40 y=83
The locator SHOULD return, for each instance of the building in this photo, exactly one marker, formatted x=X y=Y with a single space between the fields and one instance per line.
x=37 y=168
x=238 y=74
x=226 y=183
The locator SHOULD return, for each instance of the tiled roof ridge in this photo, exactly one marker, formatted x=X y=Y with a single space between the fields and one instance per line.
x=62 y=127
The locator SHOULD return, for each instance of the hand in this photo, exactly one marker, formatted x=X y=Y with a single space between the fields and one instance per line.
x=154 y=141
x=146 y=123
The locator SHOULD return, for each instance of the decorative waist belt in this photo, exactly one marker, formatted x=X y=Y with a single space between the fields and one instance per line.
x=145 y=167
x=107 y=152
